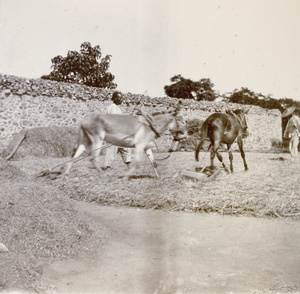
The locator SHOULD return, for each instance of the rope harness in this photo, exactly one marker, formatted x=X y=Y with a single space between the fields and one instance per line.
x=149 y=120
x=238 y=119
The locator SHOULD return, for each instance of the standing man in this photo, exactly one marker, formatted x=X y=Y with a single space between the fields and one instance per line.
x=113 y=150
x=292 y=133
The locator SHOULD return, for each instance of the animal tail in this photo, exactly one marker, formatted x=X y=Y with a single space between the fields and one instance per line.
x=204 y=131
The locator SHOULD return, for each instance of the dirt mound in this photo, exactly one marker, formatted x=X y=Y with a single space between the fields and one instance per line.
x=38 y=224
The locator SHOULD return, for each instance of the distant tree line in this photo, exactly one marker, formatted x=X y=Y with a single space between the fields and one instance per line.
x=203 y=90
x=86 y=67
x=245 y=96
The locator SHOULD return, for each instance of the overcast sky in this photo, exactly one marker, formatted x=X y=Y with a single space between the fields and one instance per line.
x=235 y=43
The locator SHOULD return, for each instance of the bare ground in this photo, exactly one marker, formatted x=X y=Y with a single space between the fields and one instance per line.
x=177 y=252
x=189 y=243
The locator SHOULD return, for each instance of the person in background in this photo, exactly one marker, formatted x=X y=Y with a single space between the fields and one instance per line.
x=292 y=132
x=113 y=150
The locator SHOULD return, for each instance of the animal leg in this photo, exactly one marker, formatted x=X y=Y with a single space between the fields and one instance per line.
x=82 y=146
x=240 y=144
x=230 y=156
x=216 y=143
x=95 y=152
x=221 y=160
x=67 y=166
x=137 y=157
x=198 y=148
x=150 y=156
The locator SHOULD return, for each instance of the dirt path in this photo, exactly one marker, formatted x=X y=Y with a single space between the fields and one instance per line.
x=174 y=252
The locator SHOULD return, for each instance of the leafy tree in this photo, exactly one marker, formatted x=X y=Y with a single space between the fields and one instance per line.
x=205 y=90
x=246 y=96
x=83 y=68
x=186 y=88
x=287 y=102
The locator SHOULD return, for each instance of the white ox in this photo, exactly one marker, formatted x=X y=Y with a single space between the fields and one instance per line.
x=125 y=130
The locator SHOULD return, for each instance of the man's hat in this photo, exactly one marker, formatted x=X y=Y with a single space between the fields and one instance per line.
x=288 y=111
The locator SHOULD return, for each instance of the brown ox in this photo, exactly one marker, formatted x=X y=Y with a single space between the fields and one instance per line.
x=125 y=130
x=221 y=128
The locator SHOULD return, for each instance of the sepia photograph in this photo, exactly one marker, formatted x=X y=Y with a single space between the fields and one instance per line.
x=149 y=146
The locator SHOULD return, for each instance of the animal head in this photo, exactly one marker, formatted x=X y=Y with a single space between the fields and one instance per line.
x=240 y=116
x=162 y=121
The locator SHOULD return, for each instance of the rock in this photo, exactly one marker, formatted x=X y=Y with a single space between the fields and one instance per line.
x=7 y=92
x=3 y=248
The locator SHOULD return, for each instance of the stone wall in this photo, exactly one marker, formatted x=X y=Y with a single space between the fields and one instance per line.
x=29 y=103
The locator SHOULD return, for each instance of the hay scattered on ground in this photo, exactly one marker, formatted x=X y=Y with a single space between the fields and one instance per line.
x=270 y=188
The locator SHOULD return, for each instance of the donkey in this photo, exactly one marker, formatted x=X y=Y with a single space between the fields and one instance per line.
x=224 y=128
x=126 y=130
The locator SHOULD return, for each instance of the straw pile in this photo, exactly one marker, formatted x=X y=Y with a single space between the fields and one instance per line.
x=48 y=142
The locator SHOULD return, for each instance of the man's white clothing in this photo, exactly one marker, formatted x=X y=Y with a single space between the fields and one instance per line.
x=113 y=150
x=114 y=109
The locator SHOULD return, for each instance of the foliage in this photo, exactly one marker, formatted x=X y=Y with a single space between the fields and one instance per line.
x=246 y=96
x=83 y=68
x=186 y=88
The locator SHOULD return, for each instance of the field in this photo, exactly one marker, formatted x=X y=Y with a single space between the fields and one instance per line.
x=269 y=189
x=34 y=209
